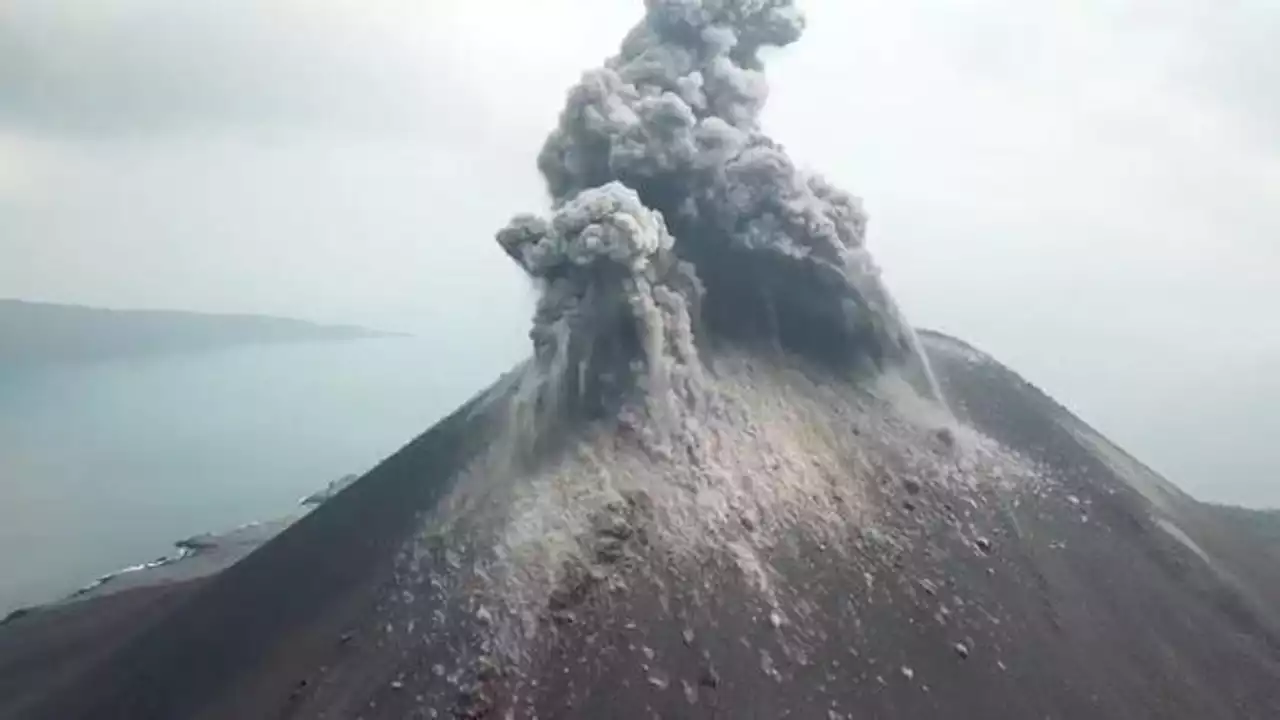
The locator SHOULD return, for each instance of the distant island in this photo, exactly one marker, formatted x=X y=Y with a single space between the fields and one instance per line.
x=34 y=334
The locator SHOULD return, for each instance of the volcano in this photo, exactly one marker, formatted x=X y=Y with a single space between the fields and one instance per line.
x=732 y=481
x=1002 y=559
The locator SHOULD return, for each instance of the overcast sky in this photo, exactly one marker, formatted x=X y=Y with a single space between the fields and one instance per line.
x=1090 y=190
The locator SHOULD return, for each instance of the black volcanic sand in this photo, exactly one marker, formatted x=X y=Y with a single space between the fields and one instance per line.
x=40 y=647
x=1106 y=594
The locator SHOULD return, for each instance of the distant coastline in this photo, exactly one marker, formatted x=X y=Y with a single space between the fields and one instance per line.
x=195 y=557
x=37 y=334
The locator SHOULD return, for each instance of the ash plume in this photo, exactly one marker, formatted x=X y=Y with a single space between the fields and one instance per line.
x=673 y=210
x=608 y=276
x=703 y=306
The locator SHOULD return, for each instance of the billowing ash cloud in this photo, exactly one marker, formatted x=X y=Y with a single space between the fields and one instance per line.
x=609 y=276
x=672 y=206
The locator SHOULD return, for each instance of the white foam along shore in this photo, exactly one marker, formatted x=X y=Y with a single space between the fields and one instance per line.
x=196 y=556
x=201 y=555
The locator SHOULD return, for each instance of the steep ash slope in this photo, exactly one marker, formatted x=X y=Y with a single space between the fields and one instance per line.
x=1238 y=545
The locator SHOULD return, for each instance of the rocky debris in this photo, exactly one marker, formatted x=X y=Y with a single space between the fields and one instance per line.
x=962 y=650
x=768 y=667
x=576 y=583
x=329 y=491
x=708 y=677
x=946 y=437
x=196 y=543
x=620 y=526
x=487 y=668
x=16 y=614
x=610 y=550
x=473 y=703
x=690 y=692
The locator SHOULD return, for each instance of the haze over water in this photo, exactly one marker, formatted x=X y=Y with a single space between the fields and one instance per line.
x=106 y=465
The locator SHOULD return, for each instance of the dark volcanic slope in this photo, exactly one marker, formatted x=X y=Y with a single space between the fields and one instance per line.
x=1013 y=564
x=36 y=334
x=1242 y=546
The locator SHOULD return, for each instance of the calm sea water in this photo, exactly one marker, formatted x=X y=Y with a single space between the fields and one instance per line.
x=106 y=465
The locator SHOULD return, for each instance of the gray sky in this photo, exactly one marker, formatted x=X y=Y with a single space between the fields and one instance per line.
x=1087 y=190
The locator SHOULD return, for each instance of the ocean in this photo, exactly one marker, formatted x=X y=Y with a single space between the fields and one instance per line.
x=105 y=465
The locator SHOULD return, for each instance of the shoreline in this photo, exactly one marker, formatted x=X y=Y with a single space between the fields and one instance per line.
x=196 y=557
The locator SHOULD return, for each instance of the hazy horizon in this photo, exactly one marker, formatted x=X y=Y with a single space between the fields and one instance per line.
x=209 y=441
x=1085 y=192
